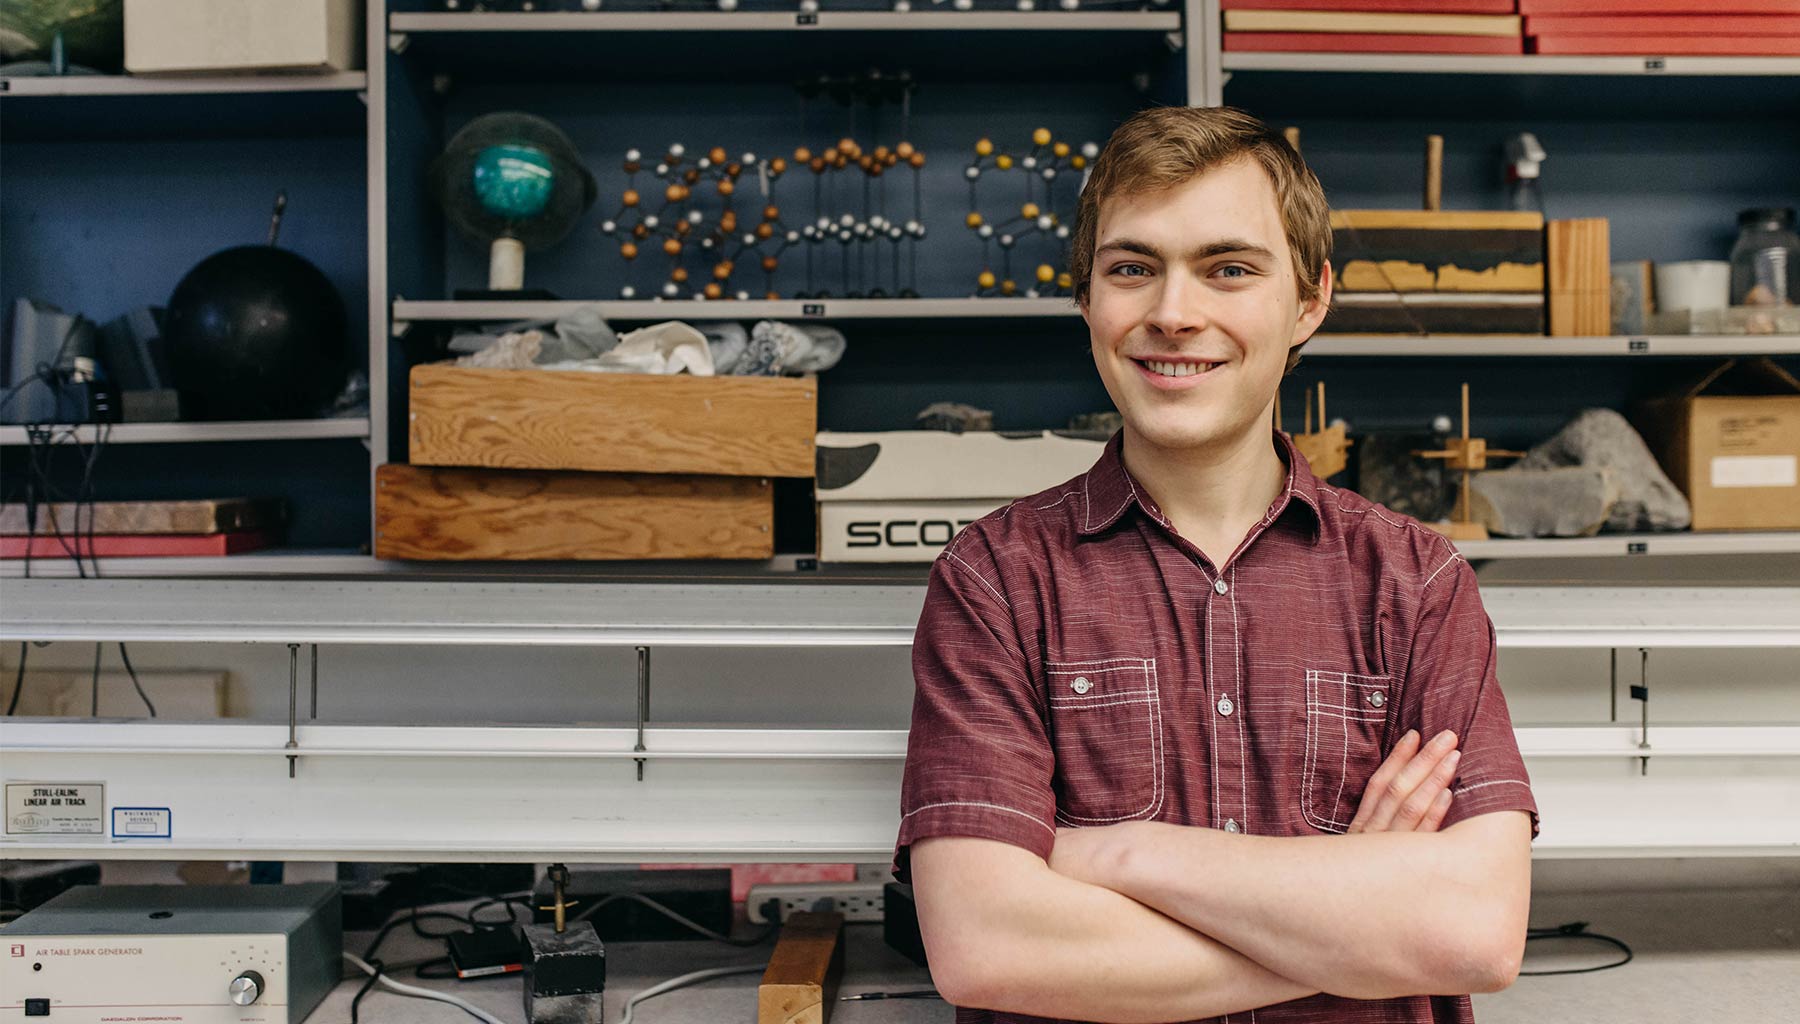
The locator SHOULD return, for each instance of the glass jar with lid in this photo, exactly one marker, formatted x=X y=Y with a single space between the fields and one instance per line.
x=1765 y=262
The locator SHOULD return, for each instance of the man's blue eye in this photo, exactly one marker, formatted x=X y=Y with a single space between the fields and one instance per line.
x=1229 y=271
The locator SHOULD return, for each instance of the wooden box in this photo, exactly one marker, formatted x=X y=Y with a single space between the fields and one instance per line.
x=612 y=422
x=535 y=515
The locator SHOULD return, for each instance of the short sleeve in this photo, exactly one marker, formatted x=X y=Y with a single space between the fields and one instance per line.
x=1451 y=684
x=978 y=758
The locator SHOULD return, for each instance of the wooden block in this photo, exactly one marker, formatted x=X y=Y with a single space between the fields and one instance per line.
x=1435 y=313
x=1439 y=220
x=536 y=515
x=1578 y=254
x=1423 y=251
x=225 y=515
x=800 y=985
x=613 y=422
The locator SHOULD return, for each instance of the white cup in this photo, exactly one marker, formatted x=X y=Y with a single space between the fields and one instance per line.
x=1693 y=284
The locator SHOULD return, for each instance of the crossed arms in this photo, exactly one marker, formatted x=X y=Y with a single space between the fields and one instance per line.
x=1146 y=922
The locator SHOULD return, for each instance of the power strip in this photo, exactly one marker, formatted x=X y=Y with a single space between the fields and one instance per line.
x=857 y=901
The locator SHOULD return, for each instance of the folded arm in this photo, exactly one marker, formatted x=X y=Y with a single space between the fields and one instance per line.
x=1367 y=916
x=1004 y=932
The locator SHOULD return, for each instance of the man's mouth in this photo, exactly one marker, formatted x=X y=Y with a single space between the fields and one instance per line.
x=1169 y=368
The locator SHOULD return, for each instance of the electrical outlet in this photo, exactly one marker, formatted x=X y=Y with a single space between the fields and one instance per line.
x=857 y=901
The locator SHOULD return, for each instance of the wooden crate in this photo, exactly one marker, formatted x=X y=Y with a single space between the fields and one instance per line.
x=612 y=422
x=536 y=515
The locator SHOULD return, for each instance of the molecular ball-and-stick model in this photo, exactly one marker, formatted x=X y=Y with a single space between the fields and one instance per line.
x=1052 y=173
x=679 y=225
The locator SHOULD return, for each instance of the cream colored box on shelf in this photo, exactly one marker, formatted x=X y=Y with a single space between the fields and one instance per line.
x=215 y=36
x=899 y=496
x=1731 y=443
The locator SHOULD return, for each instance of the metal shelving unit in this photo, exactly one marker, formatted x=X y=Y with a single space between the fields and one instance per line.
x=210 y=85
x=197 y=433
x=750 y=608
x=789 y=21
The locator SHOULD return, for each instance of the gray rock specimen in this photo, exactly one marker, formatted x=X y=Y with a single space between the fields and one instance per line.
x=1569 y=501
x=1602 y=439
x=954 y=417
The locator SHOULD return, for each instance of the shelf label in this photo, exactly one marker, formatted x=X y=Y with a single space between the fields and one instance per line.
x=141 y=823
x=812 y=309
x=1638 y=346
x=806 y=20
x=55 y=808
x=1654 y=64
x=1637 y=547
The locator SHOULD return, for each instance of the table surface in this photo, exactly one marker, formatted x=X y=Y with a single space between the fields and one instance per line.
x=1730 y=954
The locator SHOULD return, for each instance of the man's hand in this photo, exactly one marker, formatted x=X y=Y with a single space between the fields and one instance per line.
x=1410 y=792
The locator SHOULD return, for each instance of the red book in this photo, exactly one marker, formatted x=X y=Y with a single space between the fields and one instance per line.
x=1381 y=6
x=1669 y=46
x=138 y=545
x=1700 y=7
x=1367 y=42
x=1663 y=25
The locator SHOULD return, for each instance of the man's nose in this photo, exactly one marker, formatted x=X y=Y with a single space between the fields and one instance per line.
x=1180 y=308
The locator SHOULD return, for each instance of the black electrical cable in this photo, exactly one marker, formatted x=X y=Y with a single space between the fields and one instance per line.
x=374 y=976
x=1576 y=930
x=413 y=917
x=94 y=705
x=19 y=683
x=126 y=658
x=428 y=971
x=691 y=925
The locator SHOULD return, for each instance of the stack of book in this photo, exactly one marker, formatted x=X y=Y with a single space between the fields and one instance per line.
x=1373 y=26
x=1769 y=28
x=140 y=529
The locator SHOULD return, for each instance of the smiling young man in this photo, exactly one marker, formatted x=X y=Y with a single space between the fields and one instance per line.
x=1195 y=734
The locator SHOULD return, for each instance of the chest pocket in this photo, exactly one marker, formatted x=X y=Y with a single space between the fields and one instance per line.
x=1106 y=731
x=1346 y=716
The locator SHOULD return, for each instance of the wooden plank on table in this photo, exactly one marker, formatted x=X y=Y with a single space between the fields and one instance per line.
x=1580 y=271
x=222 y=515
x=1383 y=22
x=1403 y=275
x=613 y=422
x=436 y=514
x=801 y=982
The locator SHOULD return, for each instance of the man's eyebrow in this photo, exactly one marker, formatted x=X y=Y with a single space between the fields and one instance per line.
x=1222 y=247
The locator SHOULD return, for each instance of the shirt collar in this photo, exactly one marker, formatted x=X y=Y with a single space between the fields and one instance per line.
x=1109 y=489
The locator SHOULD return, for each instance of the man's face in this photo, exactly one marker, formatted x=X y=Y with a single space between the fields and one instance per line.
x=1193 y=306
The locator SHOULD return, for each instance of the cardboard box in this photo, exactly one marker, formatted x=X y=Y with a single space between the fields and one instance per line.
x=1732 y=444
x=900 y=496
x=176 y=36
x=612 y=422
x=527 y=515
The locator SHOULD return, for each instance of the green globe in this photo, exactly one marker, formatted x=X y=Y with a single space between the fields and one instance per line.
x=514 y=182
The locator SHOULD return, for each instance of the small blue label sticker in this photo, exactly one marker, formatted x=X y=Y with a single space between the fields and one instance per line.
x=141 y=823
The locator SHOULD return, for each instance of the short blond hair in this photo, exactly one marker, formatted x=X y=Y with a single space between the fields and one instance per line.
x=1163 y=147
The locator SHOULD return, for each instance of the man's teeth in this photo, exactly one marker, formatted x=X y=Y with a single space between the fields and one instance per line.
x=1178 y=369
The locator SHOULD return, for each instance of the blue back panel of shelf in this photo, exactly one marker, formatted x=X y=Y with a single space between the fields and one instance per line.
x=946 y=119
x=103 y=227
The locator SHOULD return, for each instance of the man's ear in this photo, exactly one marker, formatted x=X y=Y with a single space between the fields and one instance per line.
x=1312 y=313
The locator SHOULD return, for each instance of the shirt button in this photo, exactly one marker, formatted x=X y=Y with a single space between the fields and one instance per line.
x=1231 y=825
x=1220 y=586
x=1377 y=698
x=1225 y=705
x=1081 y=685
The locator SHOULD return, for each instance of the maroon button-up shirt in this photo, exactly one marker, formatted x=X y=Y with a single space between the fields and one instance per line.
x=1079 y=663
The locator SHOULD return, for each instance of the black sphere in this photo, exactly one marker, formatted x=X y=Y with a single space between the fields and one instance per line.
x=255 y=332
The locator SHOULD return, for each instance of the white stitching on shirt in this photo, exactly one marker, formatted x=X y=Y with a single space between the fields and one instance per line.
x=974 y=803
x=1454 y=556
x=958 y=560
x=1156 y=757
x=1496 y=782
x=1243 y=742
